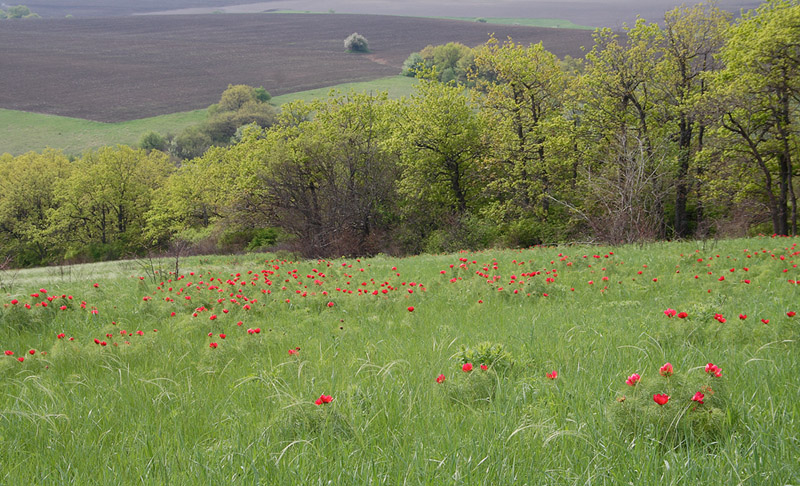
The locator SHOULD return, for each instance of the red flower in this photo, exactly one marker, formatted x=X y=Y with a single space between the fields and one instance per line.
x=292 y=351
x=633 y=379
x=9 y=353
x=791 y=313
x=666 y=370
x=411 y=308
x=698 y=397
x=103 y=343
x=660 y=398
x=96 y=285
x=765 y=321
x=682 y=315
x=330 y=304
x=20 y=359
x=222 y=336
x=552 y=375
x=484 y=367
x=32 y=351
x=467 y=366
x=670 y=312
x=324 y=399
x=14 y=302
x=61 y=336
x=713 y=369
x=213 y=345
x=742 y=316
x=440 y=379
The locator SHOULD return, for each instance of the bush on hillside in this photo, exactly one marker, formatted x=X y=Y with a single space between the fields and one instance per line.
x=356 y=42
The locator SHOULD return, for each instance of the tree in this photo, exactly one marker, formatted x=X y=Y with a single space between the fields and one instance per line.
x=103 y=202
x=356 y=42
x=523 y=105
x=153 y=141
x=330 y=179
x=27 y=199
x=439 y=140
x=239 y=105
x=620 y=126
x=761 y=86
x=692 y=37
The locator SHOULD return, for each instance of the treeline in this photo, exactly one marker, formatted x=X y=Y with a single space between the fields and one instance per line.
x=681 y=131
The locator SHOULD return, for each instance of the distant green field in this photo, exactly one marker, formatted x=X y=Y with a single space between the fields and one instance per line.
x=22 y=132
x=552 y=23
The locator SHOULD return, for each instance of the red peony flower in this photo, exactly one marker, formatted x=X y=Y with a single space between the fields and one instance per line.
x=791 y=313
x=484 y=367
x=20 y=359
x=660 y=398
x=670 y=312
x=467 y=367
x=666 y=370
x=440 y=379
x=9 y=353
x=324 y=399
x=698 y=397
x=742 y=316
x=552 y=375
x=213 y=345
x=411 y=308
x=713 y=369
x=633 y=379
x=682 y=315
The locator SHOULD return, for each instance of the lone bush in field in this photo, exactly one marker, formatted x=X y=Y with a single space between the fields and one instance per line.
x=356 y=42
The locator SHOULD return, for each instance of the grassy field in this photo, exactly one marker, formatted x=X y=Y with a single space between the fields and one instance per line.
x=551 y=23
x=527 y=22
x=22 y=132
x=213 y=376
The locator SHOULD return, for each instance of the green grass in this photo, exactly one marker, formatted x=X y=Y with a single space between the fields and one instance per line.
x=551 y=23
x=527 y=22
x=167 y=408
x=396 y=86
x=22 y=132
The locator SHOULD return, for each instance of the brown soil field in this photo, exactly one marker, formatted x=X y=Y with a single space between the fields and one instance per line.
x=600 y=13
x=116 y=69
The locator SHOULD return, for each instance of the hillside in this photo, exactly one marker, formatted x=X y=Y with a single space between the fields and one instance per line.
x=117 y=69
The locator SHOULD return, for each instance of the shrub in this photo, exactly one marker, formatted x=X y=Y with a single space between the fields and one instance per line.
x=356 y=42
x=412 y=65
x=153 y=141
x=707 y=418
x=493 y=355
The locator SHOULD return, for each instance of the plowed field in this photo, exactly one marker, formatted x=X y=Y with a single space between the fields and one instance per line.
x=116 y=69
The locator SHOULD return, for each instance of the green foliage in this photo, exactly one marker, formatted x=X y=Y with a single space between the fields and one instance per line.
x=451 y=62
x=18 y=12
x=153 y=141
x=493 y=355
x=413 y=65
x=681 y=420
x=239 y=105
x=262 y=95
x=356 y=42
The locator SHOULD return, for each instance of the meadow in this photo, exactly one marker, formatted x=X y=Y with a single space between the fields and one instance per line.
x=537 y=366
